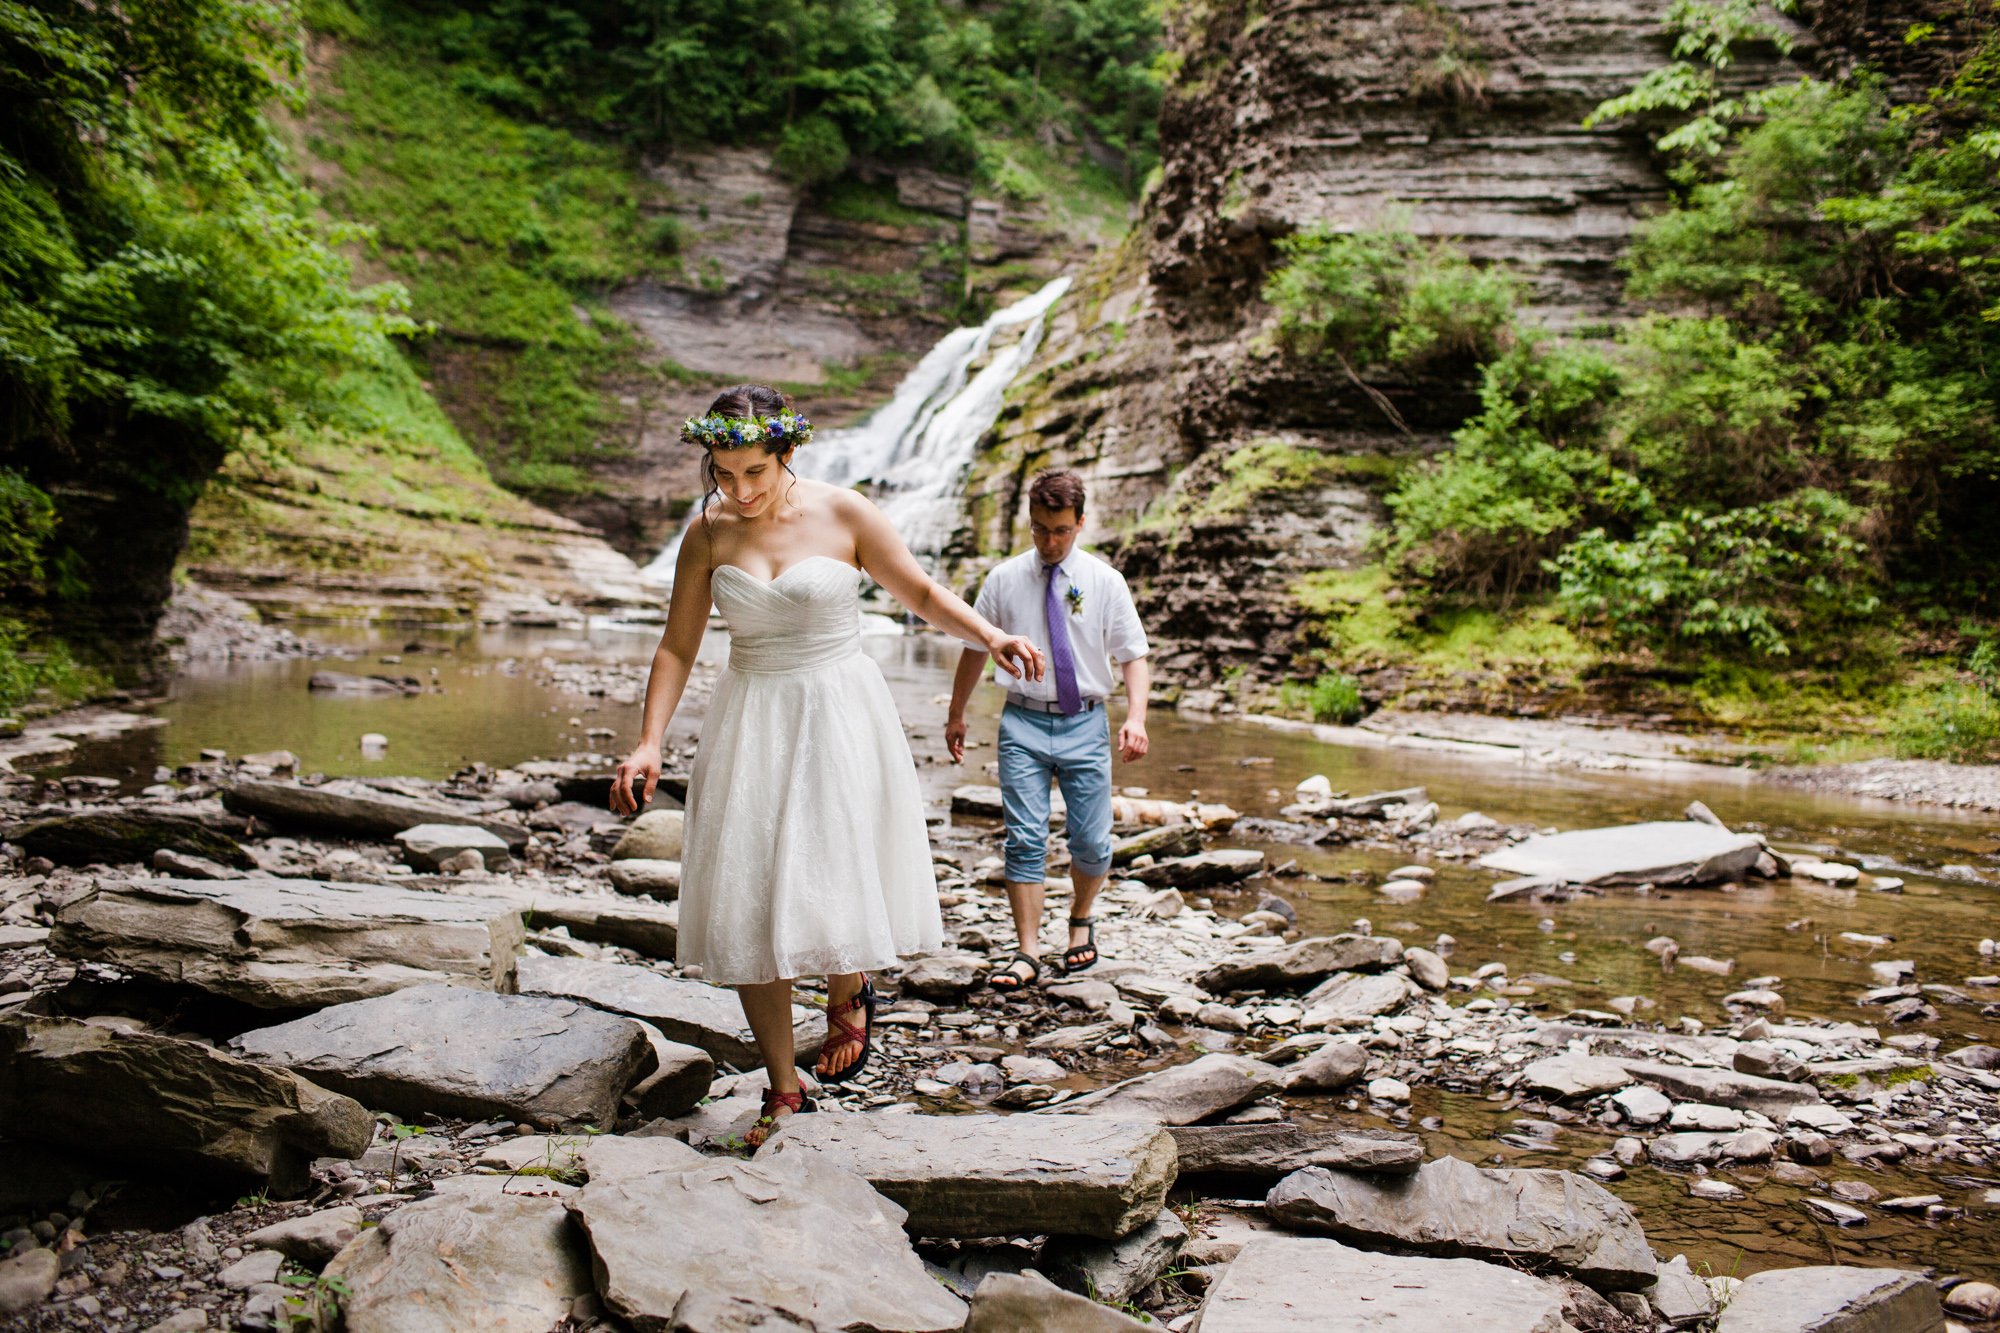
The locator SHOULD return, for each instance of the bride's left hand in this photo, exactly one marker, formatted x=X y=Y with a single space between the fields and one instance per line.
x=1018 y=656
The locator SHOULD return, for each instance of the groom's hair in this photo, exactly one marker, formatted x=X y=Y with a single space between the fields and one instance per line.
x=1056 y=488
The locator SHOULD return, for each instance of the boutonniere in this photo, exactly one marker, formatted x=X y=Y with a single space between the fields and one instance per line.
x=1075 y=598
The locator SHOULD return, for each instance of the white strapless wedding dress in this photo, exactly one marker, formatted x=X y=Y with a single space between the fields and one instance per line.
x=805 y=848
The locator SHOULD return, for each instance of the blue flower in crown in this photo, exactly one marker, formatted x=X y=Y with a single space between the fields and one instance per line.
x=787 y=429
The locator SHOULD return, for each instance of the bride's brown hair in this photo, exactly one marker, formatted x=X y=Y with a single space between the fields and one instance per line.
x=743 y=400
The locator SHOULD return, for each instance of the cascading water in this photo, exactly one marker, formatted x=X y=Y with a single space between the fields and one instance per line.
x=915 y=448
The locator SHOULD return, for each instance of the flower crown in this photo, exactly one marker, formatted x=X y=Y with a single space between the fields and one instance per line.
x=787 y=430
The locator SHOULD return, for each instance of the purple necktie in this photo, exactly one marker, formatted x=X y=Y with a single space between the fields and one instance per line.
x=1061 y=659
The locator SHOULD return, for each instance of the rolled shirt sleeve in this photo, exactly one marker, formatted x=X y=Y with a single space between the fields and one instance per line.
x=1125 y=636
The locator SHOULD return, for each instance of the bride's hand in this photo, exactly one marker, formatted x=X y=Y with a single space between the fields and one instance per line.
x=632 y=785
x=1018 y=656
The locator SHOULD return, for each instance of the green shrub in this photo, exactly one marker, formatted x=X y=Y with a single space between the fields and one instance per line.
x=44 y=673
x=811 y=150
x=1957 y=722
x=1336 y=697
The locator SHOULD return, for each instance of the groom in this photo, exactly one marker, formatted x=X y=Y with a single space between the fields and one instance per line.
x=1078 y=611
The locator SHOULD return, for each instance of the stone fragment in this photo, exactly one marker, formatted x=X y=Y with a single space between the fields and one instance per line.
x=1427 y=969
x=1017 y=1302
x=1836 y=1212
x=692 y=1012
x=642 y=925
x=1332 y=1066
x=253 y=1269
x=1565 y=1076
x=1273 y=1151
x=1550 y=1219
x=489 y=1259
x=1974 y=1300
x=354 y=809
x=1168 y=842
x=982 y=1175
x=312 y=1239
x=942 y=976
x=1693 y=1148
x=788 y=1230
x=1641 y=1105
x=450 y=1050
x=1828 y=1299
x=1375 y=805
x=655 y=835
x=1305 y=963
x=1670 y=852
x=124 y=837
x=1388 y=1090
x=27 y=1279
x=1225 y=866
x=429 y=846
x=179 y=865
x=680 y=1081
x=1114 y=1270
x=1355 y=997
x=1291 y=1284
x=1180 y=1094
x=288 y=943
x=1697 y=1115
x=1771 y=1097
x=1760 y=1059
x=346 y=682
x=139 y=1096
x=647 y=878
x=1679 y=1297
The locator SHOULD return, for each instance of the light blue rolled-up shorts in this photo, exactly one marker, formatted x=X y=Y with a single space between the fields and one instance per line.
x=1076 y=751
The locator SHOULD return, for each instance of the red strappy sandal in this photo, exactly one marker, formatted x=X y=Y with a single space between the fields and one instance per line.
x=840 y=1032
x=795 y=1102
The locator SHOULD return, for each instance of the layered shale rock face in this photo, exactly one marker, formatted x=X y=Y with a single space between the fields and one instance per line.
x=1458 y=118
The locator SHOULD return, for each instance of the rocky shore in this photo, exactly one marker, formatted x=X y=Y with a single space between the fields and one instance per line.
x=429 y=1040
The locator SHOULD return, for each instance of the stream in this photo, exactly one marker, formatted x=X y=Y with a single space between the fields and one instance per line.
x=488 y=699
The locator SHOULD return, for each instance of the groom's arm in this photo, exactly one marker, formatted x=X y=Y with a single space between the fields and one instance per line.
x=971 y=666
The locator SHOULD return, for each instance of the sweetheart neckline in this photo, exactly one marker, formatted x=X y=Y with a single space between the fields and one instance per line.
x=796 y=564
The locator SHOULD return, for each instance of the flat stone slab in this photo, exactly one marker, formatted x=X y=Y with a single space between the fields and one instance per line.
x=357 y=810
x=983 y=1175
x=788 y=1232
x=1664 y=852
x=428 y=846
x=1828 y=1299
x=291 y=943
x=461 y=1052
x=1167 y=841
x=162 y=1100
x=490 y=1260
x=1273 y=1151
x=1306 y=963
x=1575 y=1076
x=692 y=1012
x=1016 y=1302
x=1355 y=997
x=122 y=837
x=1200 y=871
x=1115 y=1270
x=1552 y=1220
x=1291 y=1284
x=1725 y=1087
x=647 y=878
x=1180 y=1094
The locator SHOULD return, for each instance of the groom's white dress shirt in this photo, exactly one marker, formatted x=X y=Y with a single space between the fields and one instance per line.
x=1103 y=624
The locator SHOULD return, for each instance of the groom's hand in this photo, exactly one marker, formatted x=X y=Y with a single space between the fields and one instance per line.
x=954 y=738
x=1132 y=741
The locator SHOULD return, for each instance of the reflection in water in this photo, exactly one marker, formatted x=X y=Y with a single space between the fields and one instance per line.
x=1585 y=952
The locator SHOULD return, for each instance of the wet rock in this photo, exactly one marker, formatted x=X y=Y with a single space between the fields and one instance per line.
x=27 y=1279
x=1551 y=1219
x=789 y=1231
x=1833 y=1300
x=1974 y=1300
x=1388 y=1090
x=429 y=846
x=1201 y=871
x=1696 y=1115
x=655 y=835
x=1840 y=1214
x=1166 y=843
x=1355 y=997
x=1274 y=1151
x=167 y=1101
x=1014 y=1302
x=983 y=1175
x=1977 y=1056
x=490 y=1260
x=1375 y=805
x=1692 y=1148
x=1565 y=1076
x=692 y=1012
x=1303 y=964
x=1771 y=1097
x=1641 y=1105
x=353 y=809
x=454 y=1051
x=1751 y=1145
x=1715 y=1191
x=1114 y=1270
x=647 y=878
x=1427 y=969
x=942 y=976
x=1290 y=1284
x=1332 y=1066
x=343 y=682
x=313 y=1239
x=1671 y=852
x=1826 y=872
x=124 y=837
x=289 y=943
x=1180 y=1094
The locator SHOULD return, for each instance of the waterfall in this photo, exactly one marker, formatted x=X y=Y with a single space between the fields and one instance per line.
x=914 y=449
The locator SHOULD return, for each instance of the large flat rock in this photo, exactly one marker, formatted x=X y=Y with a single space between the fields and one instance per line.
x=1550 y=1220
x=1569 y=1075
x=124 y=836
x=454 y=1051
x=1223 y=866
x=1271 y=1152
x=491 y=1260
x=1018 y=1302
x=291 y=943
x=1306 y=963
x=1180 y=1094
x=1665 y=852
x=1355 y=997
x=1725 y=1087
x=162 y=1101
x=356 y=810
x=982 y=1175
x=1292 y=1284
x=789 y=1232
x=1828 y=1299
x=692 y=1012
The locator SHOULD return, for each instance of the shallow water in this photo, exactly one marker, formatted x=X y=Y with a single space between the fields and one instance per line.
x=488 y=706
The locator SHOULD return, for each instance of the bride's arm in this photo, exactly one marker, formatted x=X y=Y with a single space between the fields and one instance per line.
x=687 y=621
x=879 y=549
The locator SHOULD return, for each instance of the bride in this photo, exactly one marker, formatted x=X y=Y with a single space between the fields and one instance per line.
x=805 y=849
